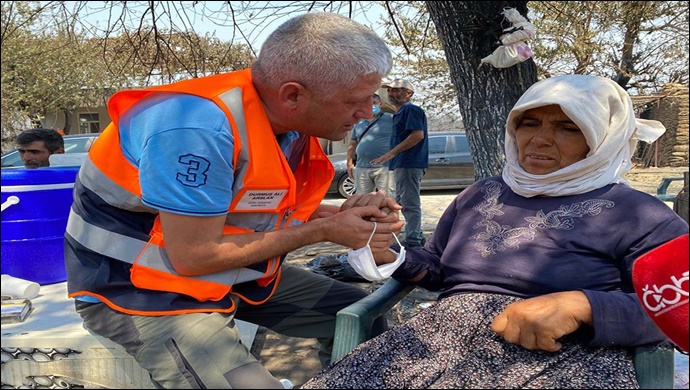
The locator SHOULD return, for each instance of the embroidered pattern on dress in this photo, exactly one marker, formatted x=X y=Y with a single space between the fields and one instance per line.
x=490 y=208
x=497 y=238
x=563 y=217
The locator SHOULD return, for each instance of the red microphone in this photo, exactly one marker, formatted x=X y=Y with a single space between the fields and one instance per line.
x=660 y=278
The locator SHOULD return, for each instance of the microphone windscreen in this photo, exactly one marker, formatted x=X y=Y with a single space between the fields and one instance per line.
x=660 y=278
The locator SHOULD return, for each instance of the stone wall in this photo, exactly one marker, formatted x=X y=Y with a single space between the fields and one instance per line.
x=671 y=110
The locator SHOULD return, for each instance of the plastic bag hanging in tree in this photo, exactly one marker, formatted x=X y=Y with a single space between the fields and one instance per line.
x=522 y=30
x=514 y=48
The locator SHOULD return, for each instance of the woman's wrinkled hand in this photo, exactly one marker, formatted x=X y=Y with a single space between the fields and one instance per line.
x=539 y=322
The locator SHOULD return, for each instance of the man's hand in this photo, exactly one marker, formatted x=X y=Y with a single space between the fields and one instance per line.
x=372 y=207
x=390 y=214
x=538 y=323
x=382 y=159
x=352 y=228
x=389 y=207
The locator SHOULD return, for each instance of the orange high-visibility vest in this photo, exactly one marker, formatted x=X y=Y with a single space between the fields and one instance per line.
x=267 y=196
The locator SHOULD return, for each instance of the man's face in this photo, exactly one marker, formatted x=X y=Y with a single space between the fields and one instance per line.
x=34 y=154
x=399 y=96
x=333 y=118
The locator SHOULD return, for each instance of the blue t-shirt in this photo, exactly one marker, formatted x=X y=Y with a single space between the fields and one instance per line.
x=407 y=119
x=183 y=146
x=376 y=142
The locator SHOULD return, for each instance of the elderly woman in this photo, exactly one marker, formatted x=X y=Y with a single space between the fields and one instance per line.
x=534 y=266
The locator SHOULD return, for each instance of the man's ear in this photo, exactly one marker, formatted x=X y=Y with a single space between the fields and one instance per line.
x=59 y=151
x=291 y=94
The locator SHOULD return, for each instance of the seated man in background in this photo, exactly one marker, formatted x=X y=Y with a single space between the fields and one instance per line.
x=37 y=145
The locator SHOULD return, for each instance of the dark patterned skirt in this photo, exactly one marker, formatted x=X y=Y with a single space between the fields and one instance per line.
x=451 y=345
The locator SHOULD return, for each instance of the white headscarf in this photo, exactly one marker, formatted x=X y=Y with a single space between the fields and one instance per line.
x=604 y=113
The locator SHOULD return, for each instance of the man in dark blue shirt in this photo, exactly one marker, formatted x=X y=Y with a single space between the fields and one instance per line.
x=409 y=157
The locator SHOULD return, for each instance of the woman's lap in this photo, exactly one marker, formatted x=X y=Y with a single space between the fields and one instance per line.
x=451 y=345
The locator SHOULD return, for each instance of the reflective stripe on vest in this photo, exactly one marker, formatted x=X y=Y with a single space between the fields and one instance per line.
x=128 y=249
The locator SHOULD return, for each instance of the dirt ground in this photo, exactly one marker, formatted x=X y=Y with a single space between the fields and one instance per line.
x=296 y=359
x=648 y=179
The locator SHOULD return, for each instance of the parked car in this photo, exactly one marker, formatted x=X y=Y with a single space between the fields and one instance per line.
x=450 y=165
x=77 y=143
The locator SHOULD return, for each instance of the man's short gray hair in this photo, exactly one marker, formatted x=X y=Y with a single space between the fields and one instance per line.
x=325 y=52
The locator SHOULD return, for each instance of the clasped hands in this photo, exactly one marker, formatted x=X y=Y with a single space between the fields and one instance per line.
x=354 y=221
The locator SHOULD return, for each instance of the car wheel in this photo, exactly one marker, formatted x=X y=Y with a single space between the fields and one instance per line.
x=346 y=187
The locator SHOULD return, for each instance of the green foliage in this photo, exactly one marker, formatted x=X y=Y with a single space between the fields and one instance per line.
x=419 y=57
x=640 y=44
x=53 y=59
x=49 y=64
x=586 y=37
x=22 y=60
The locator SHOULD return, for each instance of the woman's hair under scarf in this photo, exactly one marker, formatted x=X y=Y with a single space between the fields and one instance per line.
x=604 y=113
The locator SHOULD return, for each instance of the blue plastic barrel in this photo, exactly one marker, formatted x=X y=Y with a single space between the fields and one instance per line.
x=36 y=205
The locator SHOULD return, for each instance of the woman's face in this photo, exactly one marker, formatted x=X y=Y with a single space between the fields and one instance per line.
x=548 y=140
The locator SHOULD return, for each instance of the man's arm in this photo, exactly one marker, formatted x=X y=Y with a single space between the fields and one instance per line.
x=351 y=147
x=412 y=139
x=196 y=245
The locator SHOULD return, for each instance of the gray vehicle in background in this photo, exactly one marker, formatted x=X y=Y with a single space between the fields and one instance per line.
x=450 y=165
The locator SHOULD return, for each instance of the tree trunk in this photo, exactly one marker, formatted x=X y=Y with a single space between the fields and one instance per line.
x=469 y=31
x=633 y=14
x=68 y=121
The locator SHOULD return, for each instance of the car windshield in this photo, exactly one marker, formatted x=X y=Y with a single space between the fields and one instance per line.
x=12 y=159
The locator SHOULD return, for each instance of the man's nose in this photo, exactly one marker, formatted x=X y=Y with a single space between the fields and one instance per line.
x=364 y=111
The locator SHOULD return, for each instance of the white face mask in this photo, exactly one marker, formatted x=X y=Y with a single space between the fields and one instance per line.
x=362 y=261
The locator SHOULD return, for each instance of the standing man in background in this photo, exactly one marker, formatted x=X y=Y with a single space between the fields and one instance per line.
x=408 y=156
x=371 y=139
x=37 y=145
